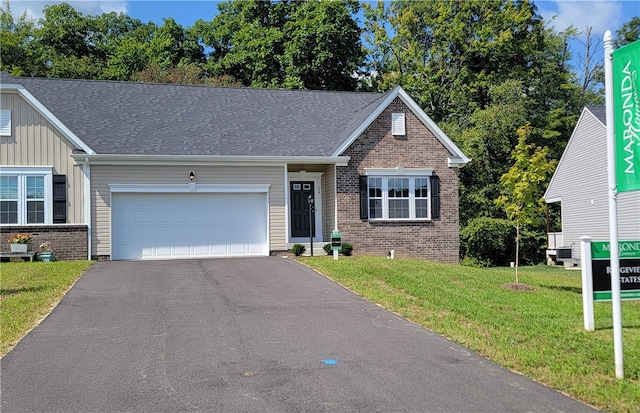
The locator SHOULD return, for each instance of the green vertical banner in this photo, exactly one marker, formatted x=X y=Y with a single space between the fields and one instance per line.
x=626 y=109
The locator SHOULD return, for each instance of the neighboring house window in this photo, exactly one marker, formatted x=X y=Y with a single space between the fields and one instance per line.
x=5 y=122
x=397 y=124
x=25 y=195
x=399 y=197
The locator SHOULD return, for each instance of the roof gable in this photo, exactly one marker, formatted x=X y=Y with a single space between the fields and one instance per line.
x=584 y=130
x=457 y=157
x=8 y=82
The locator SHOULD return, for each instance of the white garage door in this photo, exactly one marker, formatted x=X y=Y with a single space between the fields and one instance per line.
x=179 y=225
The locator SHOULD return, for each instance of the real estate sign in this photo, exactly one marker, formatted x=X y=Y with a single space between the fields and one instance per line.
x=629 y=253
x=626 y=108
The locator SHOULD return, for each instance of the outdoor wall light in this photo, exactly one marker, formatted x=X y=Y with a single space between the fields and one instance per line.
x=192 y=175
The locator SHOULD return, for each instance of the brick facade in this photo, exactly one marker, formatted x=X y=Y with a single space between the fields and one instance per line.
x=69 y=242
x=436 y=240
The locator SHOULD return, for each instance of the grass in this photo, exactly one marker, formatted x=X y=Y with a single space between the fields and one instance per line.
x=537 y=333
x=28 y=292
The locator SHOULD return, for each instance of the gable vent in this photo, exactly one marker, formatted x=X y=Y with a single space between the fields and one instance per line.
x=397 y=124
x=5 y=122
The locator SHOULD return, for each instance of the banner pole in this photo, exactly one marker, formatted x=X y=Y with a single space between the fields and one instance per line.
x=613 y=206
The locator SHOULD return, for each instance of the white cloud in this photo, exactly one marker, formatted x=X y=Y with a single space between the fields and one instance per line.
x=35 y=9
x=601 y=15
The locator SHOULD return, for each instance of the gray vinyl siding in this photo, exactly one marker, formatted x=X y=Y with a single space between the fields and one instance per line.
x=102 y=176
x=34 y=141
x=581 y=183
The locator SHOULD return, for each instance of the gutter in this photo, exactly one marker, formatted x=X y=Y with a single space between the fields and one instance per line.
x=128 y=159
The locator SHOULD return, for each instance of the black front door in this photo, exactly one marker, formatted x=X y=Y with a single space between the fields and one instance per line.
x=300 y=222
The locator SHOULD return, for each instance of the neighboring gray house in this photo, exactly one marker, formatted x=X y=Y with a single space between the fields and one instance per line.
x=125 y=170
x=580 y=184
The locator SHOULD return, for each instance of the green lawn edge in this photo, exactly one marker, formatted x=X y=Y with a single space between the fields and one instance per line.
x=29 y=291
x=537 y=333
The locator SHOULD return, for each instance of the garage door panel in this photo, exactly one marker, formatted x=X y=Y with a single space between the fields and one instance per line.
x=147 y=226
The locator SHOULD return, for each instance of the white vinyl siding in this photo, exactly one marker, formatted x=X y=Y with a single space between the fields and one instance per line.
x=104 y=175
x=580 y=182
x=36 y=142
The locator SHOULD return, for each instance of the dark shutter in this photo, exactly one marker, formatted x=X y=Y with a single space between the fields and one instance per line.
x=435 y=197
x=364 y=199
x=59 y=199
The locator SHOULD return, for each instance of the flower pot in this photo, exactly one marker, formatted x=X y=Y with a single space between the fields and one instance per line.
x=19 y=247
x=47 y=256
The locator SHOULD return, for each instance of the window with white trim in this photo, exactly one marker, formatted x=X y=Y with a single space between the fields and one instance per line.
x=399 y=198
x=25 y=196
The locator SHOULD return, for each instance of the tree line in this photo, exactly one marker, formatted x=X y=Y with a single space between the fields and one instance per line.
x=493 y=74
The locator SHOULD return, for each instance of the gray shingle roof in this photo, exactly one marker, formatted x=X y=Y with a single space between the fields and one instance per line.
x=166 y=119
x=599 y=111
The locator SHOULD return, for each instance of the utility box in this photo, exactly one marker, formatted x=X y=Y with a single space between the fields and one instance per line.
x=336 y=241
x=564 y=253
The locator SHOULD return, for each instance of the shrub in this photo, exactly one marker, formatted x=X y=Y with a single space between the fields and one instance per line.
x=347 y=248
x=298 y=249
x=327 y=248
x=488 y=241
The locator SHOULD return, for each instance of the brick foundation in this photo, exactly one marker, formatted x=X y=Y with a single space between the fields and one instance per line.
x=69 y=242
x=437 y=240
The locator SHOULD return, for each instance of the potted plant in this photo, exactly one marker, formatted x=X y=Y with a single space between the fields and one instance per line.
x=20 y=242
x=47 y=254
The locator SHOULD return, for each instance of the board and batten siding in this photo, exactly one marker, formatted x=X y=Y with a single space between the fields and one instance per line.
x=34 y=141
x=104 y=175
x=581 y=182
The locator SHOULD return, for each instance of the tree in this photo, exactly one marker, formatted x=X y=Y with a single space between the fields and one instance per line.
x=16 y=56
x=447 y=54
x=313 y=45
x=628 y=33
x=522 y=184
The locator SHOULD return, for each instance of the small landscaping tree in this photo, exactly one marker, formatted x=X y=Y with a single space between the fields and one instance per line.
x=522 y=185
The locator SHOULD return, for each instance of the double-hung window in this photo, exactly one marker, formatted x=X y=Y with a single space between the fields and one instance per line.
x=25 y=195
x=399 y=195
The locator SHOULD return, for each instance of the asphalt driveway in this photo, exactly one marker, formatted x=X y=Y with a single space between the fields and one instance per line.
x=246 y=335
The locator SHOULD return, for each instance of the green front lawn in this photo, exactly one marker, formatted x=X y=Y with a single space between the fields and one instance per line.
x=538 y=333
x=29 y=291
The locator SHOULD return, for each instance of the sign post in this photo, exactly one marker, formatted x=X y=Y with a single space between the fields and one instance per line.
x=336 y=243
x=587 y=283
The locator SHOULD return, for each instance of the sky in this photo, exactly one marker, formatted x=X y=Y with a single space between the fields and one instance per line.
x=601 y=15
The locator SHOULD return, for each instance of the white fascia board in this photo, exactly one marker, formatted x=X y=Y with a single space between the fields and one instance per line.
x=457 y=160
x=46 y=113
x=553 y=200
x=126 y=159
x=368 y=121
x=458 y=157
x=190 y=187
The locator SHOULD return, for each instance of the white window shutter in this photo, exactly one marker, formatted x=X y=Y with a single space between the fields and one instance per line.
x=397 y=124
x=5 y=122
